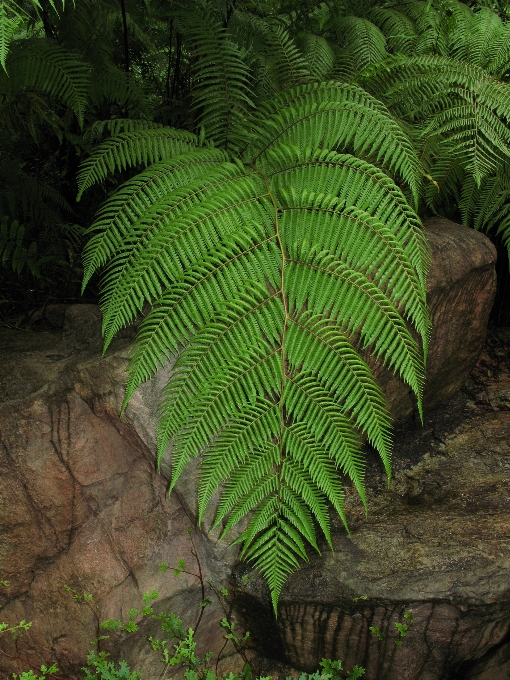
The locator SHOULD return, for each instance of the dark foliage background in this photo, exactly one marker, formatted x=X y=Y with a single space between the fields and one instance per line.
x=139 y=61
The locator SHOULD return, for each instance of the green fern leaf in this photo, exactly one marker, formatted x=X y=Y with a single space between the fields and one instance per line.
x=334 y=115
x=363 y=40
x=398 y=29
x=221 y=92
x=114 y=219
x=318 y=55
x=128 y=149
x=10 y=21
x=456 y=100
x=264 y=295
x=43 y=66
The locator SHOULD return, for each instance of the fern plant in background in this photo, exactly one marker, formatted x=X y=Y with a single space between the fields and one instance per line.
x=60 y=76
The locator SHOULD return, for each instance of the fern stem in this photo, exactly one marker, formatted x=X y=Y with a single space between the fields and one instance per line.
x=124 y=30
x=284 y=329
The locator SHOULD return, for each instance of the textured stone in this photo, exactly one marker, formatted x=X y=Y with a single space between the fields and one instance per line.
x=436 y=544
x=461 y=285
x=81 y=505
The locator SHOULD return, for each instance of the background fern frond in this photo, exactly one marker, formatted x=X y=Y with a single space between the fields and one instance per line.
x=280 y=56
x=362 y=39
x=457 y=100
x=318 y=55
x=46 y=67
x=398 y=29
x=221 y=91
x=130 y=149
x=10 y=22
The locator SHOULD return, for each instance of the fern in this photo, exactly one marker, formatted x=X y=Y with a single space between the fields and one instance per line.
x=327 y=115
x=363 y=40
x=263 y=293
x=128 y=149
x=12 y=18
x=43 y=66
x=398 y=29
x=318 y=54
x=281 y=57
x=10 y=22
x=221 y=91
x=455 y=99
x=487 y=207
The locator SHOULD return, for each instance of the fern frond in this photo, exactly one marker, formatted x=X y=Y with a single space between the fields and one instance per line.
x=115 y=126
x=355 y=183
x=477 y=38
x=282 y=57
x=173 y=233
x=265 y=295
x=222 y=83
x=318 y=54
x=430 y=27
x=363 y=40
x=129 y=149
x=498 y=59
x=446 y=172
x=40 y=65
x=114 y=219
x=335 y=116
x=398 y=29
x=10 y=22
x=458 y=100
x=112 y=85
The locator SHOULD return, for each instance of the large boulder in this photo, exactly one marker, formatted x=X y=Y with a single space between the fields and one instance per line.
x=436 y=544
x=82 y=507
x=81 y=504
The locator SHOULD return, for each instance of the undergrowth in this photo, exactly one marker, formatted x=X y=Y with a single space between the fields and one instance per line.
x=176 y=644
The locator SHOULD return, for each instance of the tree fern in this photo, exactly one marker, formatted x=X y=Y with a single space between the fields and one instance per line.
x=266 y=277
x=398 y=29
x=281 y=58
x=10 y=22
x=127 y=149
x=318 y=54
x=487 y=207
x=12 y=18
x=362 y=39
x=221 y=90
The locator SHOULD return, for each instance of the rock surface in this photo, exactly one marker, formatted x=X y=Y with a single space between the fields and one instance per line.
x=81 y=505
x=436 y=544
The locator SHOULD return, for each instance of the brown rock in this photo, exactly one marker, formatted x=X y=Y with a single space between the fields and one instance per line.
x=82 y=506
x=435 y=545
x=461 y=285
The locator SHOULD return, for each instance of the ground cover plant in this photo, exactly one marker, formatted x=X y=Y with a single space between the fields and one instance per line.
x=176 y=644
x=264 y=170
